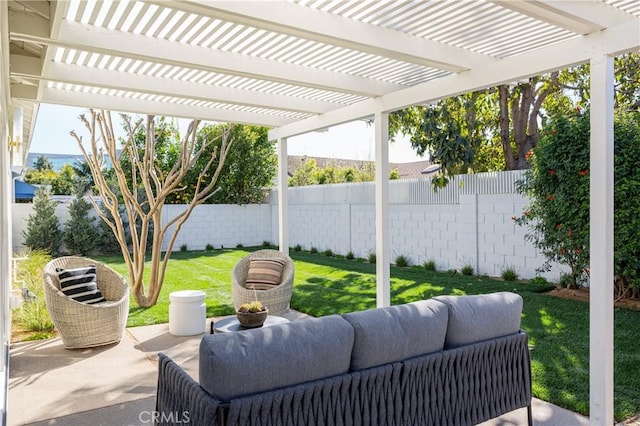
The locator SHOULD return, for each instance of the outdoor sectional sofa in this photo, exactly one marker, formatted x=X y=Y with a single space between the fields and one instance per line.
x=451 y=360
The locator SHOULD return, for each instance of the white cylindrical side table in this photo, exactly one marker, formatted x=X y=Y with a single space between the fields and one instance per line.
x=187 y=313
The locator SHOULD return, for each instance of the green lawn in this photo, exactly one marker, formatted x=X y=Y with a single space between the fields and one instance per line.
x=558 y=328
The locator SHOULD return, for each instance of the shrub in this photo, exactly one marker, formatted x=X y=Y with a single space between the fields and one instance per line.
x=538 y=280
x=297 y=247
x=350 y=255
x=266 y=243
x=209 y=247
x=429 y=265
x=371 y=257
x=402 y=261
x=183 y=248
x=328 y=252
x=313 y=250
x=42 y=225
x=565 y=280
x=32 y=315
x=467 y=270
x=108 y=242
x=558 y=189
x=239 y=246
x=80 y=235
x=509 y=273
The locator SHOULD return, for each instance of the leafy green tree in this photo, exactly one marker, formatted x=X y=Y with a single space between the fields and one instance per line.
x=82 y=180
x=42 y=163
x=64 y=181
x=496 y=128
x=463 y=133
x=451 y=132
x=558 y=189
x=627 y=77
x=250 y=168
x=42 y=230
x=305 y=175
x=309 y=173
x=80 y=234
x=575 y=83
x=40 y=177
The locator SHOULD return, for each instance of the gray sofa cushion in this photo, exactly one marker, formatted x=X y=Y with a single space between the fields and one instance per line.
x=395 y=333
x=247 y=362
x=482 y=317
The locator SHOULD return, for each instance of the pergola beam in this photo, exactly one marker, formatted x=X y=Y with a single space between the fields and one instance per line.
x=29 y=68
x=582 y=17
x=168 y=109
x=73 y=35
x=619 y=39
x=294 y=20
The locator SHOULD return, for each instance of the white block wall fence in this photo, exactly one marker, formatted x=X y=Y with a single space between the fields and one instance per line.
x=467 y=223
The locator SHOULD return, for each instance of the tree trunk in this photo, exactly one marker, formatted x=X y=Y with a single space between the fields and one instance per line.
x=505 y=136
x=525 y=101
x=521 y=120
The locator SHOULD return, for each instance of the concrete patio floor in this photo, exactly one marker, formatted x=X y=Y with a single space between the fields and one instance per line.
x=115 y=385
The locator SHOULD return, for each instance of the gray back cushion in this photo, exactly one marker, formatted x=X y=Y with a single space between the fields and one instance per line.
x=397 y=332
x=482 y=317
x=252 y=361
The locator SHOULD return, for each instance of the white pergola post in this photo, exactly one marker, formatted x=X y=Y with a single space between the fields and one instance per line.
x=601 y=242
x=383 y=239
x=6 y=201
x=283 y=206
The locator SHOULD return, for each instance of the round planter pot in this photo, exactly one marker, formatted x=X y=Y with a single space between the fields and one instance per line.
x=252 y=319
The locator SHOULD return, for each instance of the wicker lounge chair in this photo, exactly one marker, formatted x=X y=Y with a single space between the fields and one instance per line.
x=82 y=325
x=276 y=299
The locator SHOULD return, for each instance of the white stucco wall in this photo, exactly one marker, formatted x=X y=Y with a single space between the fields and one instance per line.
x=466 y=224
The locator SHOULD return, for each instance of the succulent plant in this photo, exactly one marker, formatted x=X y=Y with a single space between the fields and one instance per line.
x=252 y=307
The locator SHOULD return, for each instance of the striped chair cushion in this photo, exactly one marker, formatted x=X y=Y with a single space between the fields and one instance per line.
x=264 y=274
x=80 y=284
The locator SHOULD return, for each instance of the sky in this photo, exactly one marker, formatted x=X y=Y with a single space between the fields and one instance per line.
x=354 y=141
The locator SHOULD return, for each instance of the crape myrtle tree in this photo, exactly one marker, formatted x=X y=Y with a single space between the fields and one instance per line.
x=143 y=190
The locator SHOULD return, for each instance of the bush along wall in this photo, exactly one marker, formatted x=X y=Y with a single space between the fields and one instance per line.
x=557 y=186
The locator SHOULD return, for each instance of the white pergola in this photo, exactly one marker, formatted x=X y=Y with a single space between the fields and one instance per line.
x=305 y=65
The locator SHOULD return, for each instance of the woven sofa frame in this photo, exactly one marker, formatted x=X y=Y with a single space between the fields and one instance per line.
x=464 y=385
